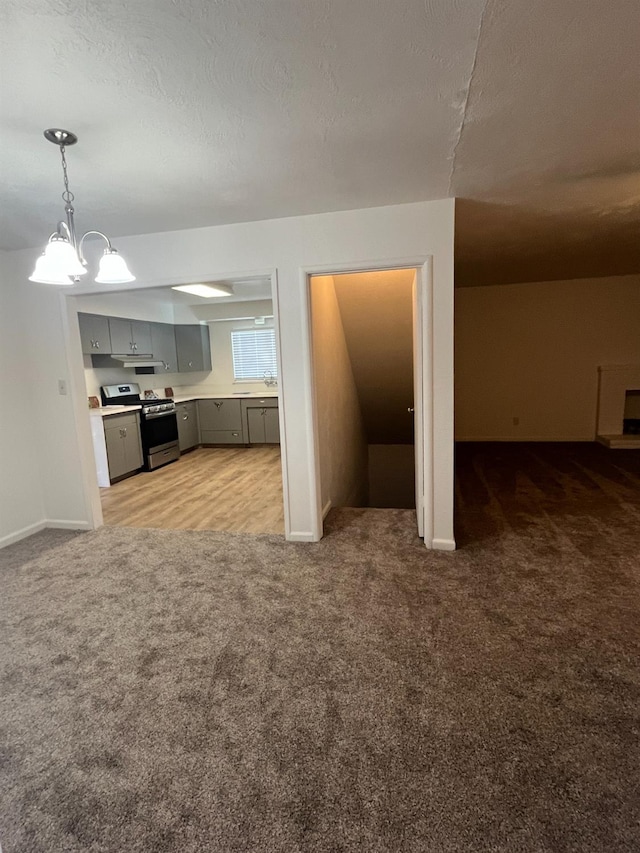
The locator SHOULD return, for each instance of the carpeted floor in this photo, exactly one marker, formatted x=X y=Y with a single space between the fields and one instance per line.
x=192 y=691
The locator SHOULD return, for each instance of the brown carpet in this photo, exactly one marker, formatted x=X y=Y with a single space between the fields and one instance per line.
x=193 y=691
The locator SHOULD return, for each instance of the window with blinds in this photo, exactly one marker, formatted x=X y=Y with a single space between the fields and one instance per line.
x=254 y=354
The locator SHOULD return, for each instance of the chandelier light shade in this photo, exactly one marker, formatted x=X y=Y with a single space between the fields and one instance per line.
x=47 y=272
x=63 y=262
x=113 y=269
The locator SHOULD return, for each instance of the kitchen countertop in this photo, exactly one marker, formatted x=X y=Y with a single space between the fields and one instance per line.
x=105 y=411
x=253 y=395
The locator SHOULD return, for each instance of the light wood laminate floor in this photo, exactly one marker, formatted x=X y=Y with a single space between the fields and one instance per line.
x=211 y=488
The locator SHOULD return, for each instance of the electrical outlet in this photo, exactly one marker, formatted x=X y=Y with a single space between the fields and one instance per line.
x=516 y=421
x=62 y=387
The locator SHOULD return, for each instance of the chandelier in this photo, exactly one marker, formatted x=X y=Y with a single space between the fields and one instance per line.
x=62 y=261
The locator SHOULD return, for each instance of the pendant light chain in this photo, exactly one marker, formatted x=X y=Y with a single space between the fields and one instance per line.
x=67 y=195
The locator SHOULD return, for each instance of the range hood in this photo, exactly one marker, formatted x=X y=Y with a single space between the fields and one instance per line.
x=126 y=361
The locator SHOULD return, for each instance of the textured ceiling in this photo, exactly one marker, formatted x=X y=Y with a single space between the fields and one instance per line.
x=548 y=164
x=196 y=113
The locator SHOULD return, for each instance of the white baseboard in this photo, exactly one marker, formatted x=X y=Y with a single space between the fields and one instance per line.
x=10 y=538
x=514 y=438
x=58 y=523
x=326 y=508
x=443 y=544
x=301 y=536
x=63 y=524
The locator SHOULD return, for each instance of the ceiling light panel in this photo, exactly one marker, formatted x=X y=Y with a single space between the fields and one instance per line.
x=207 y=291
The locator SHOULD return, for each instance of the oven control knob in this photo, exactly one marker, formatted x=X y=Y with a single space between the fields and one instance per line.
x=153 y=409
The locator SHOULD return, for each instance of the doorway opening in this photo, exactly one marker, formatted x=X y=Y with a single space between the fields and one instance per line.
x=367 y=378
x=218 y=466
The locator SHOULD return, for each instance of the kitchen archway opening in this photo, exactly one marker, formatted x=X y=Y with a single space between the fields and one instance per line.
x=184 y=409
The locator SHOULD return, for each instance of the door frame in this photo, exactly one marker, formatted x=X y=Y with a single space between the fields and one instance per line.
x=75 y=365
x=423 y=305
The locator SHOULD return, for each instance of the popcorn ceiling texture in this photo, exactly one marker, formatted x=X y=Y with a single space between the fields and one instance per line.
x=198 y=113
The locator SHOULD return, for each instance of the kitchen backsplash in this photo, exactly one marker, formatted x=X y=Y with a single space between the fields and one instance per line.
x=97 y=376
x=182 y=384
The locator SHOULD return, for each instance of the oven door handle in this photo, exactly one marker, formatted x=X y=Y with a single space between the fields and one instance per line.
x=159 y=415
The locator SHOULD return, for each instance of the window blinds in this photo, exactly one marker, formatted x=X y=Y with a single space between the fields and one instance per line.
x=254 y=353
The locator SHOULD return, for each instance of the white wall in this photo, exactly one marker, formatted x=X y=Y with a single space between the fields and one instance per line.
x=354 y=239
x=21 y=503
x=342 y=443
x=42 y=460
x=531 y=351
x=130 y=306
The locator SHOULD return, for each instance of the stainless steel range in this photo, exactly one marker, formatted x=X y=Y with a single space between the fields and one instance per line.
x=158 y=422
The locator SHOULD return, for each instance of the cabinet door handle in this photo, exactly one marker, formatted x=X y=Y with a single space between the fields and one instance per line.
x=190 y=364
x=123 y=432
x=97 y=344
x=166 y=365
x=185 y=417
x=235 y=434
x=410 y=409
x=218 y=404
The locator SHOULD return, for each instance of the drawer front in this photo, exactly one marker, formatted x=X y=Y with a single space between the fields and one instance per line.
x=120 y=420
x=266 y=403
x=216 y=436
x=220 y=415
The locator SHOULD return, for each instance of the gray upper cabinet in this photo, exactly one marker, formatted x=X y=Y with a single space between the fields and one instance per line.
x=130 y=336
x=163 y=346
x=94 y=334
x=194 y=348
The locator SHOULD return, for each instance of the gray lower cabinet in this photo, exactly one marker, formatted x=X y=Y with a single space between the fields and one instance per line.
x=262 y=425
x=94 y=334
x=220 y=421
x=194 y=348
x=188 y=431
x=163 y=347
x=260 y=419
x=124 y=449
x=130 y=336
